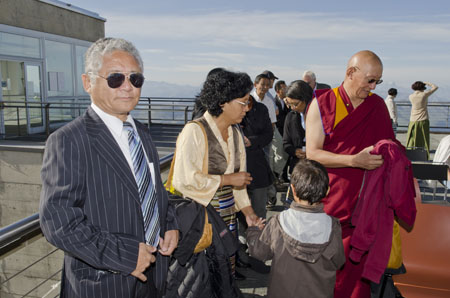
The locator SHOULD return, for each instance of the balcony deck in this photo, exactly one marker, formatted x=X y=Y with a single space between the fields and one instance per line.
x=165 y=137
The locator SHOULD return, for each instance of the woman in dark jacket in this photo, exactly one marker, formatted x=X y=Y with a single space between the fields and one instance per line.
x=258 y=133
x=298 y=97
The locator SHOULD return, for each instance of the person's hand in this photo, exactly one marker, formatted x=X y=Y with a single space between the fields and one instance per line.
x=240 y=179
x=251 y=218
x=256 y=222
x=169 y=243
x=367 y=161
x=247 y=142
x=261 y=223
x=145 y=258
x=300 y=153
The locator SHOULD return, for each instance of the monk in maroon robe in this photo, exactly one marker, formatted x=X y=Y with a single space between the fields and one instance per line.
x=342 y=126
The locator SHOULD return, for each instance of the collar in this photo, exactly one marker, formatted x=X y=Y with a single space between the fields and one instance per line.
x=345 y=98
x=112 y=122
x=256 y=96
x=307 y=208
x=212 y=124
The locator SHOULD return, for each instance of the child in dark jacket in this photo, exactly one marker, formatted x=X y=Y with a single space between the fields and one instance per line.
x=304 y=243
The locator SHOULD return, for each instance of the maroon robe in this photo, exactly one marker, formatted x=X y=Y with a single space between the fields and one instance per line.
x=361 y=128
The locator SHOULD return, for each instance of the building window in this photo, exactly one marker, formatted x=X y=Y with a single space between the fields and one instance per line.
x=79 y=56
x=59 y=68
x=17 y=45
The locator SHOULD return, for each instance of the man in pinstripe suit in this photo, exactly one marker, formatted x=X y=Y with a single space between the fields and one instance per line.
x=91 y=199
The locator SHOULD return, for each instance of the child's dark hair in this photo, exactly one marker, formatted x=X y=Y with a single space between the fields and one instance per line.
x=310 y=180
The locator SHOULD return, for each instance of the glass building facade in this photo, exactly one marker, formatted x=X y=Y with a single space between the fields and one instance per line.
x=40 y=76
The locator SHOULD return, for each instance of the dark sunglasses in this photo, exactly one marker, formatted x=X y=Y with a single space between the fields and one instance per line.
x=377 y=82
x=116 y=79
x=371 y=81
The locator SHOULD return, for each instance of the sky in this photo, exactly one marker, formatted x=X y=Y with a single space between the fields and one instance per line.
x=180 y=40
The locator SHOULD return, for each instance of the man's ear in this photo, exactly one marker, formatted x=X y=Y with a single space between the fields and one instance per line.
x=350 y=72
x=87 y=84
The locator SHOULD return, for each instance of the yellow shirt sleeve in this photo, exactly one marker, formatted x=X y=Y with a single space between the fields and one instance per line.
x=187 y=175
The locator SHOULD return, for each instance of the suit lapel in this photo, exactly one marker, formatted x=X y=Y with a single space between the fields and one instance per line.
x=106 y=146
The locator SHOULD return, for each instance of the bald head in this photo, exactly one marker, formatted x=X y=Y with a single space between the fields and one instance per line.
x=364 y=57
x=364 y=71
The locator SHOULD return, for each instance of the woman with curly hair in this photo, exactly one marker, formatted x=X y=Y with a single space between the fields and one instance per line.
x=419 y=124
x=225 y=95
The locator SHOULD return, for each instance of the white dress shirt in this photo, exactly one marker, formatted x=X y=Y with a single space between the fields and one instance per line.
x=268 y=103
x=115 y=126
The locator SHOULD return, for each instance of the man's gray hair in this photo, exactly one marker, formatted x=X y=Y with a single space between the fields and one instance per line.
x=309 y=73
x=94 y=55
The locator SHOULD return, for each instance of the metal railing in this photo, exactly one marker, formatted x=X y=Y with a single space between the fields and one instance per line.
x=439 y=115
x=56 y=113
x=17 y=234
x=167 y=110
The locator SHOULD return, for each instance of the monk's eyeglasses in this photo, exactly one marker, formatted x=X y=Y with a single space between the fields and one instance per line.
x=371 y=81
x=116 y=79
x=377 y=82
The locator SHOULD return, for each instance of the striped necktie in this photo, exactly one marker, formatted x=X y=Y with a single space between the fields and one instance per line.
x=145 y=185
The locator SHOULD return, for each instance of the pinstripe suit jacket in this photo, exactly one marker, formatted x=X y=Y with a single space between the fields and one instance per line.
x=90 y=208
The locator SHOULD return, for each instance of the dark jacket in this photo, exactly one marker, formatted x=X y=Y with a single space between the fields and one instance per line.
x=300 y=269
x=208 y=273
x=90 y=208
x=283 y=110
x=257 y=128
x=386 y=191
x=320 y=86
x=293 y=137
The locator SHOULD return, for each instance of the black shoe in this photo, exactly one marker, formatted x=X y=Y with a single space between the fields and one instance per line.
x=241 y=264
x=239 y=276
x=272 y=201
x=281 y=186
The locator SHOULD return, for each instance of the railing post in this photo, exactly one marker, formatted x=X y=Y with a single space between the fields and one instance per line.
x=149 y=120
x=18 y=121
x=47 y=119
x=173 y=111
x=185 y=114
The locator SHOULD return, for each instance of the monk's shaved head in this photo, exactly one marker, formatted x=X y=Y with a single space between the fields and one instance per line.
x=364 y=71
x=364 y=57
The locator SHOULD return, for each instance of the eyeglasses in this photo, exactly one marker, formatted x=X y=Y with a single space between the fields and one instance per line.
x=377 y=82
x=371 y=81
x=244 y=104
x=293 y=106
x=116 y=79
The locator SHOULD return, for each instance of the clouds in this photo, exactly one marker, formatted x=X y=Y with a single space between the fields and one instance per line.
x=181 y=47
x=255 y=28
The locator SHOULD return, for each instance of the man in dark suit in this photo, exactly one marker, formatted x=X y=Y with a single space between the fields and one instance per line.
x=283 y=109
x=100 y=179
x=310 y=78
